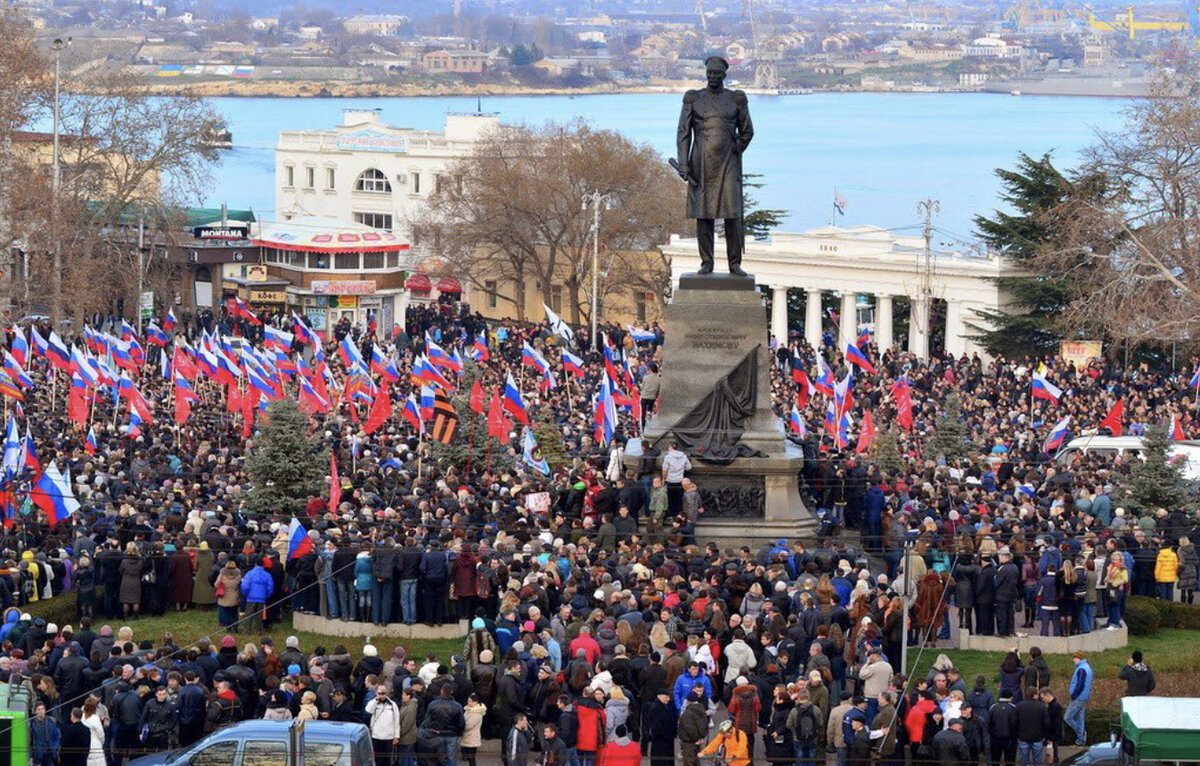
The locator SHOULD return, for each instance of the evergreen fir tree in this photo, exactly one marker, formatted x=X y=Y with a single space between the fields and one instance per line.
x=548 y=434
x=1037 y=192
x=472 y=445
x=951 y=439
x=886 y=453
x=759 y=222
x=286 y=466
x=1155 y=482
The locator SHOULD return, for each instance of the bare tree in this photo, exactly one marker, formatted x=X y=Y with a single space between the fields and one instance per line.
x=25 y=75
x=129 y=160
x=1133 y=252
x=513 y=212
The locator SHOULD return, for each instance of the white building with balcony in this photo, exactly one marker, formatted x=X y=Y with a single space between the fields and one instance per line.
x=366 y=171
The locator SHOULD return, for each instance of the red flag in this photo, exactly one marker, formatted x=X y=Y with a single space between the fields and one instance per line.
x=1112 y=421
x=802 y=384
x=497 y=424
x=249 y=406
x=335 y=484
x=1177 y=433
x=381 y=409
x=866 y=433
x=183 y=407
x=233 y=398
x=478 y=403
x=904 y=414
x=182 y=363
x=77 y=406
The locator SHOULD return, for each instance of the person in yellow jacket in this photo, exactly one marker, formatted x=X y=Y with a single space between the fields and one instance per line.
x=731 y=743
x=1166 y=572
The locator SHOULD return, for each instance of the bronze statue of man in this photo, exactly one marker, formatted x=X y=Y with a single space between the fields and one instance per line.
x=714 y=130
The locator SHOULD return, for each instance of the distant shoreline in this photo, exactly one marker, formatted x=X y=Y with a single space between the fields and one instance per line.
x=335 y=90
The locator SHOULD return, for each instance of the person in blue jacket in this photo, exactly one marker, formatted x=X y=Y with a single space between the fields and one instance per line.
x=1080 y=691
x=44 y=738
x=874 y=504
x=1045 y=595
x=257 y=588
x=688 y=680
x=364 y=579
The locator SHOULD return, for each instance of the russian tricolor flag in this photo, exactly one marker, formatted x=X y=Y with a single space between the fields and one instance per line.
x=90 y=445
x=301 y=330
x=52 y=493
x=572 y=363
x=31 y=458
x=57 y=353
x=606 y=413
x=169 y=322
x=513 y=402
x=351 y=357
x=1057 y=436
x=134 y=429
x=20 y=346
x=641 y=336
x=428 y=397
x=40 y=344
x=796 y=423
x=856 y=357
x=15 y=371
x=824 y=382
x=1044 y=389
x=412 y=413
x=299 y=543
x=531 y=357
x=479 y=351
x=156 y=335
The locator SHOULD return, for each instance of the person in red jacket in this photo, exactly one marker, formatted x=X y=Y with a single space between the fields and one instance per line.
x=914 y=721
x=621 y=751
x=744 y=709
x=588 y=644
x=589 y=740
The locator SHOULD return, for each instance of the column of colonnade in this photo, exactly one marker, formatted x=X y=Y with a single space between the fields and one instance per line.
x=918 y=335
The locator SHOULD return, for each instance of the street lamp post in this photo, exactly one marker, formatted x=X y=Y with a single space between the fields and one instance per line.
x=597 y=201
x=55 y=181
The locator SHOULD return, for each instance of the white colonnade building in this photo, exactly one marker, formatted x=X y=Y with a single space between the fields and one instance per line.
x=868 y=270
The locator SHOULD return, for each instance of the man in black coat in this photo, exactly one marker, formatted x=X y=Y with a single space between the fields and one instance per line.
x=985 y=599
x=1002 y=731
x=950 y=746
x=1008 y=590
x=659 y=726
x=76 y=741
x=652 y=677
x=68 y=676
x=434 y=572
x=1033 y=727
x=510 y=696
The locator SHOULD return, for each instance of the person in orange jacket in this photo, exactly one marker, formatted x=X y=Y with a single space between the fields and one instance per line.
x=732 y=743
x=621 y=751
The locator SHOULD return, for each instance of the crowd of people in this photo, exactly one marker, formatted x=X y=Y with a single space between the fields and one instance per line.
x=599 y=631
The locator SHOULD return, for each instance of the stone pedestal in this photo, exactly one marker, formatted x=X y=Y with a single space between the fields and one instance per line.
x=712 y=324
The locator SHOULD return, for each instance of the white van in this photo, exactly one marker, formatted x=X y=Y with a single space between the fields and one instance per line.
x=1131 y=446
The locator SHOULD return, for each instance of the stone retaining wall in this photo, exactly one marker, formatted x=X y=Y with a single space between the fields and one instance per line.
x=350 y=629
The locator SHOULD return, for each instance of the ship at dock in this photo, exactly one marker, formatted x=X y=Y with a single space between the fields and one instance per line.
x=1064 y=79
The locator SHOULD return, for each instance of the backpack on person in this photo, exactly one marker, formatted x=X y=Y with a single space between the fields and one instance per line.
x=806 y=726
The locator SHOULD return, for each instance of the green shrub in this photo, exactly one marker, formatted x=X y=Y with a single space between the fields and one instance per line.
x=1171 y=614
x=62 y=609
x=1143 y=616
